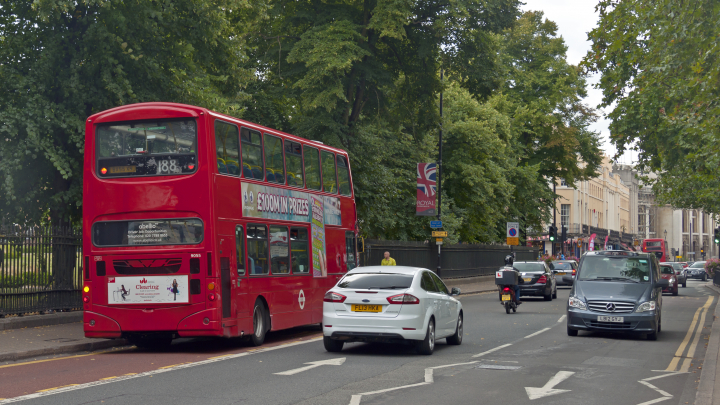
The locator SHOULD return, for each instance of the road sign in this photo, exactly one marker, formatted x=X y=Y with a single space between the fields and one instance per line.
x=691 y=253
x=513 y=229
x=435 y=224
x=513 y=241
x=438 y=241
x=439 y=234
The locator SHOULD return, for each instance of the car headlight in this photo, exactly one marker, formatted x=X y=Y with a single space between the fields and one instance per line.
x=646 y=306
x=576 y=302
x=672 y=280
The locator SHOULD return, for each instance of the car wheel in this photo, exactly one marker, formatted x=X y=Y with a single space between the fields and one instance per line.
x=259 y=328
x=684 y=284
x=332 y=345
x=704 y=277
x=456 y=339
x=675 y=291
x=427 y=345
x=654 y=335
x=555 y=293
x=572 y=332
x=548 y=297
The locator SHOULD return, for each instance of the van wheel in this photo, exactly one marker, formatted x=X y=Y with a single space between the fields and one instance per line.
x=258 y=336
x=332 y=345
x=427 y=345
x=572 y=332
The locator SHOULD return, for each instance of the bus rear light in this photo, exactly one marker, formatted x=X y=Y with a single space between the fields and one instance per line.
x=211 y=286
x=334 y=297
x=191 y=167
x=92 y=322
x=103 y=170
x=86 y=299
x=206 y=321
x=86 y=289
x=211 y=297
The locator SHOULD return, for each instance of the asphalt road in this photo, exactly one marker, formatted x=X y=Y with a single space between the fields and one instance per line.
x=501 y=356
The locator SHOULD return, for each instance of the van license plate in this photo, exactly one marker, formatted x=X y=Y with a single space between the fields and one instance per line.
x=616 y=319
x=366 y=308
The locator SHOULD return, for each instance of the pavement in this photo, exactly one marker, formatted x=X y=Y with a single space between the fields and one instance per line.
x=517 y=358
x=710 y=376
x=34 y=336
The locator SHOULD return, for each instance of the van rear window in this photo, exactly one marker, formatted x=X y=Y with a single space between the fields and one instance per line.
x=156 y=232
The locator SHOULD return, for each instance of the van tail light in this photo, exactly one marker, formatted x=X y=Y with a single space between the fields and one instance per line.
x=333 y=297
x=542 y=280
x=506 y=289
x=403 y=299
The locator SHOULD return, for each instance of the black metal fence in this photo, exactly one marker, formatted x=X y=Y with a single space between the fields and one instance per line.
x=40 y=269
x=457 y=260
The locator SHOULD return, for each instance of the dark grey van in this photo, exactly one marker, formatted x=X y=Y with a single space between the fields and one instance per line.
x=616 y=291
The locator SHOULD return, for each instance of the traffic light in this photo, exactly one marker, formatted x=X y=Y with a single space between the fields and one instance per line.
x=717 y=236
x=552 y=232
x=563 y=236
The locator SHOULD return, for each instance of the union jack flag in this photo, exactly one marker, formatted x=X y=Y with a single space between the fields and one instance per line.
x=426 y=182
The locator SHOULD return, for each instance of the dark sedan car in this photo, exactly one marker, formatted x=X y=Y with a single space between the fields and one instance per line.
x=538 y=280
x=564 y=268
x=697 y=270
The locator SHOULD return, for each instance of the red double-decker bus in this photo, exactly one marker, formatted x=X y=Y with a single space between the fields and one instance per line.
x=200 y=224
x=656 y=246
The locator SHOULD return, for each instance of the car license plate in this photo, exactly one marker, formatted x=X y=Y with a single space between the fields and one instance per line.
x=527 y=280
x=560 y=274
x=616 y=319
x=506 y=297
x=366 y=308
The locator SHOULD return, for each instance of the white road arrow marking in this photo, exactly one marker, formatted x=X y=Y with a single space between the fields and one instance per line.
x=547 y=390
x=313 y=364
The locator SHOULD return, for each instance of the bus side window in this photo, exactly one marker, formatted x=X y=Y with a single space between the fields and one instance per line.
x=227 y=144
x=312 y=168
x=300 y=250
x=252 y=155
x=350 y=250
x=240 y=250
x=293 y=161
x=257 y=249
x=328 y=172
x=279 y=254
x=275 y=166
x=344 y=175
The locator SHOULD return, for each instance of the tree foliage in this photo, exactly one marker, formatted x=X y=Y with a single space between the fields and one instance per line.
x=660 y=73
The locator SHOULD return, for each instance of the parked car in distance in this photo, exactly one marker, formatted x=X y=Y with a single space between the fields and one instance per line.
x=697 y=270
x=538 y=279
x=564 y=268
x=679 y=272
x=391 y=304
x=668 y=273
x=617 y=291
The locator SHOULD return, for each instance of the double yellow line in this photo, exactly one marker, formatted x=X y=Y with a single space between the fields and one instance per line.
x=695 y=327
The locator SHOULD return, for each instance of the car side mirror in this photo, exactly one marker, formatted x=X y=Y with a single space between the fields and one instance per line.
x=664 y=283
x=455 y=291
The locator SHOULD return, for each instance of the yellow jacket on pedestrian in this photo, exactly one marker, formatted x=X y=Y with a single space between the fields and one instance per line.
x=388 y=262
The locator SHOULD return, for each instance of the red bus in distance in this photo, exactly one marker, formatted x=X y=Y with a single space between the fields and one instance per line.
x=200 y=224
x=657 y=246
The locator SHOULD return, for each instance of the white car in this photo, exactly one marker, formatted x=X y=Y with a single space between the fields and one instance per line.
x=390 y=304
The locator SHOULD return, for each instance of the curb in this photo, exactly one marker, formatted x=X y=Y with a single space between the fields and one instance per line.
x=34 y=321
x=708 y=374
x=49 y=351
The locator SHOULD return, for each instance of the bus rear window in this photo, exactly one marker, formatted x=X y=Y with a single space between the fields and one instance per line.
x=146 y=148
x=653 y=244
x=157 y=232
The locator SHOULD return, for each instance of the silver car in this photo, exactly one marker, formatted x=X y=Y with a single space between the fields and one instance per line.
x=562 y=268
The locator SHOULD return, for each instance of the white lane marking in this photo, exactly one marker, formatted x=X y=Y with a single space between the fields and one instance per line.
x=537 y=333
x=665 y=395
x=547 y=389
x=153 y=372
x=562 y=318
x=330 y=362
x=492 y=350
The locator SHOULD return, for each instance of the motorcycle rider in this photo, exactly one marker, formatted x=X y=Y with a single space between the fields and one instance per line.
x=509 y=260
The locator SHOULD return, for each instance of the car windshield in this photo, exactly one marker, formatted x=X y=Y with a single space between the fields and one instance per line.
x=529 y=267
x=698 y=265
x=666 y=270
x=615 y=268
x=379 y=281
x=562 y=266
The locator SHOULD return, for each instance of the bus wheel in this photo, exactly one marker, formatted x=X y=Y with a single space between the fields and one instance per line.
x=258 y=336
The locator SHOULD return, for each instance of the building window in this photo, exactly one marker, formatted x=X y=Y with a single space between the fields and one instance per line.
x=563 y=183
x=565 y=215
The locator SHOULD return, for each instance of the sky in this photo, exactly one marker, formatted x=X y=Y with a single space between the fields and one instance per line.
x=575 y=18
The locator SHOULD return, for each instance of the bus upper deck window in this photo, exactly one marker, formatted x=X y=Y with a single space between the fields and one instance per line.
x=344 y=175
x=274 y=165
x=293 y=161
x=328 y=172
x=227 y=144
x=312 y=168
x=252 y=156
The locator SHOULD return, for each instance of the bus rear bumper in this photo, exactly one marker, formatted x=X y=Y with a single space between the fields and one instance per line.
x=100 y=326
x=200 y=324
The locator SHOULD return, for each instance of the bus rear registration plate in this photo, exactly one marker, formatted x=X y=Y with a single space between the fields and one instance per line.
x=366 y=308
x=122 y=169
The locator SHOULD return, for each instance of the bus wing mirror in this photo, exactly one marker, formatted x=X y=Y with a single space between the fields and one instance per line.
x=360 y=245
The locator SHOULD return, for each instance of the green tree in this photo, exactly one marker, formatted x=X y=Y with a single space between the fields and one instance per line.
x=63 y=60
x=661 y=76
